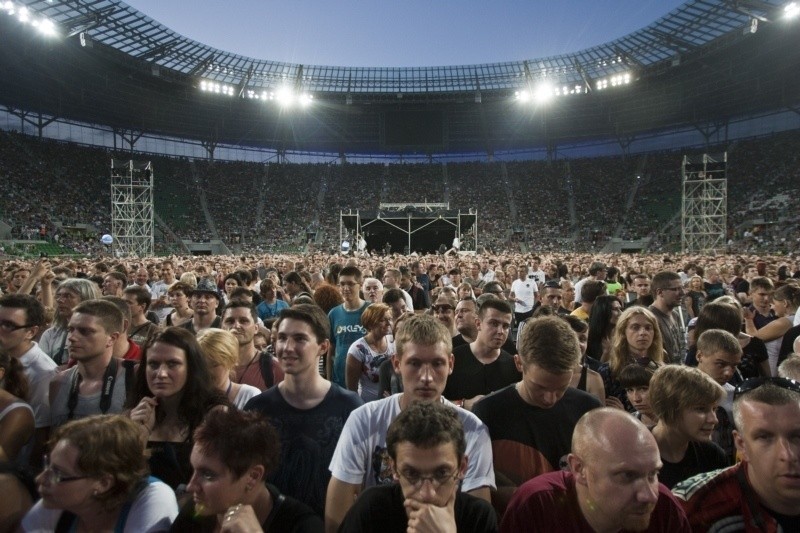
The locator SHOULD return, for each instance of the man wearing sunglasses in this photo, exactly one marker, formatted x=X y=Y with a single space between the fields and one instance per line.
x=426 y=448
x=762 y=492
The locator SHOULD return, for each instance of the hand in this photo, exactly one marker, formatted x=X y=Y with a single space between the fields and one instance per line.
x=748 y=313
x=429 y=518
x=240 y=519
x=613 y=401
x=39 y=269
x=48 y=276
x=145 y=413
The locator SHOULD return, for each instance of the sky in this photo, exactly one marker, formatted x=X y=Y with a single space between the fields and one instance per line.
x=403 y=33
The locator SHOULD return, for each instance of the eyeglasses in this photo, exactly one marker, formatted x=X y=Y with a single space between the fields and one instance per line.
x=437 y=480
x=754 y=383
x=443 y=308
x=7 y=325
x=55 y=476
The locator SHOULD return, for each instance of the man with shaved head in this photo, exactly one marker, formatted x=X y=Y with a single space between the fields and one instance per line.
x=612 y=484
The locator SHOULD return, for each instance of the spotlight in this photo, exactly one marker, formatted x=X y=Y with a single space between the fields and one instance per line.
x=522 y=96
x=543 y=92
x=791 y=10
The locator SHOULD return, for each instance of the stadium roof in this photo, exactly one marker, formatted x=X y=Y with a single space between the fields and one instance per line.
x=118 y=25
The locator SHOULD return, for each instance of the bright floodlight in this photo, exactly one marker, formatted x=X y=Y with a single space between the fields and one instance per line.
x=285 y=96
x=543 y=92
x=9 y=7
x=791 y=10
x=522 y=96
x=23 y=14
x=46 y=27
x=306 y=99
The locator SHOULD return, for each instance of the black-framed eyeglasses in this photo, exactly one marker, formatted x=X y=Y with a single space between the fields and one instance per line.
x=754 y=383
x=55 y=476
x=7 y=325
x=436 y=480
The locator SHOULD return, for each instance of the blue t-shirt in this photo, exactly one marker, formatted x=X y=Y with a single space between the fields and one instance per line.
x=266 y=310
x=346 y=329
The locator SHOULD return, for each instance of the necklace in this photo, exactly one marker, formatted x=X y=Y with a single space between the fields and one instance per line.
x=246 y=368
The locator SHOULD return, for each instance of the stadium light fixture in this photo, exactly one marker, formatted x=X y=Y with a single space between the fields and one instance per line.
x=522 y=96
x=543 y=93
x=791 y=10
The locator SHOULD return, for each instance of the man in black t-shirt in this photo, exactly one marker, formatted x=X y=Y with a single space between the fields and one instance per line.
x=482 y=366
x=531 y=422
x=307 y=410
x=426 y=448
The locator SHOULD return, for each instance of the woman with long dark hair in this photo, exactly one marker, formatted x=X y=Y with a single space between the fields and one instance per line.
x=172 y=393
x=602 y=321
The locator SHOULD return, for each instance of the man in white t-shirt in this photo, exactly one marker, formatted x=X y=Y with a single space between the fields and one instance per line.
x=523 y=294
x=424 y=360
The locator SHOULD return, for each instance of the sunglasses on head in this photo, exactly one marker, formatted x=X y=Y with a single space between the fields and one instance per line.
x=754 y=383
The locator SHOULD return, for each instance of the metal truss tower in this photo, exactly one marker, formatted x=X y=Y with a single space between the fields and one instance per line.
x=705 y=203
x=132 y=208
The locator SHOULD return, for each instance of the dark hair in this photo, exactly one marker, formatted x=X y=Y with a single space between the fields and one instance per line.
x=577 y=325
x=788 y=293
x=312 y=315
x=106 y=311
x=239 y=439
x=662 y=280
x=244 y=304
x=393 y=295
x=235 y=276
x=198 y=395
x=351 y=271
x=117 y=275
x=634 y=375
x=15 y=382
x=426 y=425
x=719 y=315
x=600 y=326
x=142 y=295
x=297 y=279
x=34 y=310
x=591 y=290
x=497 y=304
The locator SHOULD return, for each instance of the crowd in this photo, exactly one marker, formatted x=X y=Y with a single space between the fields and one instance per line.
x=489 y=392
x=577 y=204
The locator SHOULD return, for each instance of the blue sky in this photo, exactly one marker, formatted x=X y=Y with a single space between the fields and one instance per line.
x=405 y=32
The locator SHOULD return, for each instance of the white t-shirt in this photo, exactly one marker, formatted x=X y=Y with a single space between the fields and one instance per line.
x=362 y=444
x=154 y=509
x=40 y=370
x=245 y=393
x=370 y=360
x=524 y=290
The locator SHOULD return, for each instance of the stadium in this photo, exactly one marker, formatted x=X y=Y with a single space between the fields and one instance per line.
x=611 y=122
x=549 y=294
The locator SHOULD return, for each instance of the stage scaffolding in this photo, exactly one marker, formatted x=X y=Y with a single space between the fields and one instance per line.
x=132 y=208
x=414 y=226
x=705 y=203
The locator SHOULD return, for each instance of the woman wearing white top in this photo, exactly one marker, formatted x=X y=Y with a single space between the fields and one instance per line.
x=221 y=351
x=16 y=416
x=366 y=355
x=785 y=302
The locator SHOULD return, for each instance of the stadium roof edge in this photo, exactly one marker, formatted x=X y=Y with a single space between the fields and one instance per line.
x=120 y=26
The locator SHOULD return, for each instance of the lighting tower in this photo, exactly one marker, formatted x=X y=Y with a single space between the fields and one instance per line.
x=132 y=207
x=705 y=203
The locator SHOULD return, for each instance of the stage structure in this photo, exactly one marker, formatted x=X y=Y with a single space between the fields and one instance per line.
x=132 y=208
x=705 y=203
x=410 y=227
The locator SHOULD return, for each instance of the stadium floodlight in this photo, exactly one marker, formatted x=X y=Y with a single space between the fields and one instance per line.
x=23 y=14
x=791 y=10
x=46 y=27
x=306 y=99
x=522 y=96
x=543 y=92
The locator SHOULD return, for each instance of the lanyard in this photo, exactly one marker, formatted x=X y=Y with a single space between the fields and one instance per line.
x=109 y=378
